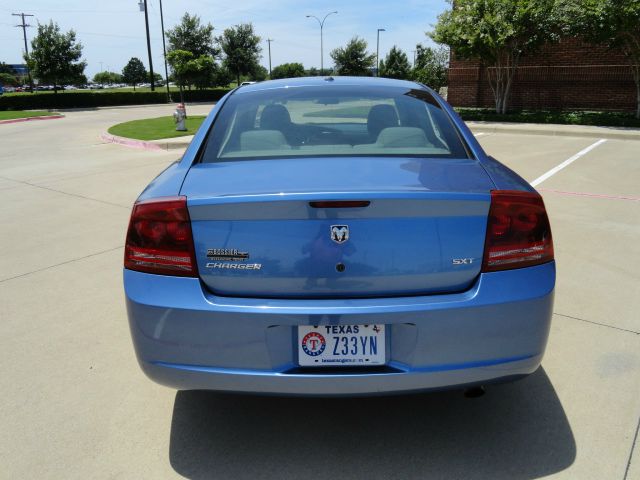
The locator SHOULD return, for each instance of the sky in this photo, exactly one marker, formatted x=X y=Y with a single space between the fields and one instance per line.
x=113 y=31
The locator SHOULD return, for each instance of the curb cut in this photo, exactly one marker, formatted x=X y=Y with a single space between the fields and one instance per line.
x=29 y=119
x=153 y=145
x=556 y=130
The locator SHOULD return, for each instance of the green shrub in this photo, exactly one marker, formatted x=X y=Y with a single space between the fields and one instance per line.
x=102 y=99
x=599 y=118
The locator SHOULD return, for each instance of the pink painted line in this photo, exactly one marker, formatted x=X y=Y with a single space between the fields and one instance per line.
x=128 y=142
x=29 y=119
x=592 y=195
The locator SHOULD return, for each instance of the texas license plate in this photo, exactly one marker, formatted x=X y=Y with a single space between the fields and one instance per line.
x=341 y=345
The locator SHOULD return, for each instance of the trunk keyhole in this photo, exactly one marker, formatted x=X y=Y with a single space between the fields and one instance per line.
x=340 y=267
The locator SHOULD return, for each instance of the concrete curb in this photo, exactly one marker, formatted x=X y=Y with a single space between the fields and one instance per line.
x=168 y=144
x=612 y=133
x=29 y=119
x=153 y=145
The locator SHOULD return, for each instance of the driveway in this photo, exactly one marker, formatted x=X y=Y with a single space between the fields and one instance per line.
x=74 y=403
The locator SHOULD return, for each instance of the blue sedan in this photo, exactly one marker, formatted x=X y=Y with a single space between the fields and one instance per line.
x=337 y=236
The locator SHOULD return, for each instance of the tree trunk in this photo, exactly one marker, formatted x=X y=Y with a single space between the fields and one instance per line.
x=238 y=76
x=501 y=75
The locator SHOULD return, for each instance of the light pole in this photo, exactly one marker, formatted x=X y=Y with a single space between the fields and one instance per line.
x=378 y=52
x=321 y=44
x=24 y=26
x=143 y=7
x=164 y=49
x=269 y=40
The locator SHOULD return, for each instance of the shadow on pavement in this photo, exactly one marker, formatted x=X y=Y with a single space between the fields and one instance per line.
x=516 y=430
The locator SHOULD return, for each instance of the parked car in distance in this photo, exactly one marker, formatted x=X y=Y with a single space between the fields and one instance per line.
x=337 y=236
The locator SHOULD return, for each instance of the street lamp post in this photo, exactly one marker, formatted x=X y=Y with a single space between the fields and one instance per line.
x=269 y=40
x=321 y=42
x=143 y=7
x=378 y=52
x=164 y=49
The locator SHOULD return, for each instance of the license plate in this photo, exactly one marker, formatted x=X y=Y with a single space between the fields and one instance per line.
x=341 y=345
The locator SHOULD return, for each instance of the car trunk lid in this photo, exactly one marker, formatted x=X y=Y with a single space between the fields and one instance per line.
x=263 y=228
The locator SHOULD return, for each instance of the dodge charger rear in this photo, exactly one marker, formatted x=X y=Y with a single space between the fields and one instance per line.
x=337 y=236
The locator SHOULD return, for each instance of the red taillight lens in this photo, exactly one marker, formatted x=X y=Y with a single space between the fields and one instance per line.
x=518 y=231
x=159 y=238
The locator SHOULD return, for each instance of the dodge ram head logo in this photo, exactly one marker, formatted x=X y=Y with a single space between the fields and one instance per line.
x=339 y=233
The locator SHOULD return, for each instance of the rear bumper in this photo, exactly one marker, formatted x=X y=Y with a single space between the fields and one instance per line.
x=186 y=338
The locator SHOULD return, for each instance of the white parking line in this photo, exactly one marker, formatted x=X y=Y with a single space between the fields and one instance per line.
x=566 y=163
x=479 y=134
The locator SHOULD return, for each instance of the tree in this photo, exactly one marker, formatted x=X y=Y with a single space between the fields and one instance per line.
x=431 y=66
x=134 y=72
x=107 y=77
x=615 y=23
x=241 y=47
x=181 y=62
x=8 y=79
x=222 y=77
x=189 y=70
x=497 y=32
x=259 y=74
x=191 y=36
x=4 y=68
x=353 y=59
x=395 y=65
x=288 y=70
x=55 y=56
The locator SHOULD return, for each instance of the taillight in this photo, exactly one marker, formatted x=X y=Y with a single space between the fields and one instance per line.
x=159 y=238
x=518 y=231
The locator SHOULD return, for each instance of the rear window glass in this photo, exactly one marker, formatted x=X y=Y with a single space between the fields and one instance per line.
x=332 y=120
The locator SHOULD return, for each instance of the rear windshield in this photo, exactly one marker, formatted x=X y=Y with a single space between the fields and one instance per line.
x=332 y=120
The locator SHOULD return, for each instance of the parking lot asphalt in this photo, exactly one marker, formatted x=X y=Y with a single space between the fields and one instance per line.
x=74 y=403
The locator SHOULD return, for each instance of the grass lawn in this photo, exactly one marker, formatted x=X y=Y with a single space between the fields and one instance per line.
x=155 y=128
x=11 y=114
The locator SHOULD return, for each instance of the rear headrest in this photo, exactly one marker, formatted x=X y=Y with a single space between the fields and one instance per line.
x=274 y=117
x=263 y=140
x=381 y=117
x=402 y=137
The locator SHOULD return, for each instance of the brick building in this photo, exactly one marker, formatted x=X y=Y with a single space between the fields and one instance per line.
x=569 y=75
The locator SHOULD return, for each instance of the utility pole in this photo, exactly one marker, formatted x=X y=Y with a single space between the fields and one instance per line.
x=321 y=42
x=26 y=49
x=378 y=52
x=269 y=40
x=143 y=5
x=414 y=58
x=164 y=49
